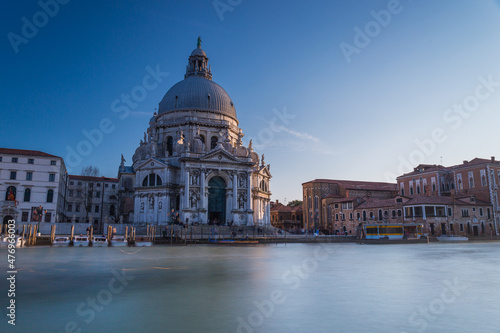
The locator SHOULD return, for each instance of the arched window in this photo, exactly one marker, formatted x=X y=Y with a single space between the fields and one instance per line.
x=202 y=138
x=380 y=217
x=316 y=202
x=170 y=146
x=213 y=142
x=364 y=215
x=50 y=195
x=27 y=195
x=152 y=180
x=10 y=195
x=393 y=213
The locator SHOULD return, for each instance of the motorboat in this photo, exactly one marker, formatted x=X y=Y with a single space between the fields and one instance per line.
x=61 y=241
x=452 y=238
x=99 y=241
x=81 y=241
x=119 y=241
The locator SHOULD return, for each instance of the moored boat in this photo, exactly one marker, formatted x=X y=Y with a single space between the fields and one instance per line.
x=119 y=241
x=81 y=241
x=99 y=241
x=61 y=241
x=452 y=238
x=19 y=241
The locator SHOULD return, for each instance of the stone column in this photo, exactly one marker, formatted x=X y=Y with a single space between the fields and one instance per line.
x=137 y=207
x=186 y=189
x=235 y=190
x=249 y=190
x=202 y=194
x=155 y=207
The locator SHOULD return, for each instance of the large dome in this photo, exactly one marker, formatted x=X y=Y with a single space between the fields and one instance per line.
x=197 y=91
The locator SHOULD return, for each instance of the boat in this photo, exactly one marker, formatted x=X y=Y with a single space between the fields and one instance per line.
x=378 y=233
x=19 y=241
x=60 y=241
x=99 y=241
x=452 y=238
x=119 y=241
x=143 y=241
x=81 y=241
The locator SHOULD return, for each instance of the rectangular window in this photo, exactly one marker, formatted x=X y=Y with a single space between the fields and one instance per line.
x=79 y=183
x=481 y=211
x=461 y=227
x=48 y=217
x=98 y=184
x=452 y=227
x=71 y=183
x=97 y=208
x=52 y=177
x=440 y=211
x=13 y=175
x=70 y=193
x=14 y=159
x=336 y=217
x=418 y=212
x=29 y=175
x=105 y=185
x=78 y=194
x=31 y=161
x=336 y=205
x=98 y=194
x=113 y=186
x=24 y=217
x=449 y=212
x=70 y=208
x=0 y=158
x=77 y=208
x=408 y=212
x=53 y=163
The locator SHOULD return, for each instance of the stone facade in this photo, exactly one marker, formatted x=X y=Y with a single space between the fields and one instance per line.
x=32 y=186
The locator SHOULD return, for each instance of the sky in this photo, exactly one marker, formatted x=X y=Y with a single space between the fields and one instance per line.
x=359 y=90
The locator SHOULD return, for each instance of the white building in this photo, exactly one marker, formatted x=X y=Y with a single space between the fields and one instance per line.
x=32 y=185
x=92 y=200
x=191 y=165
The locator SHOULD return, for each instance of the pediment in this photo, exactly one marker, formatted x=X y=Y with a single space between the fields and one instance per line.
x=151 y=164
x=265 y=171
x=221 y=156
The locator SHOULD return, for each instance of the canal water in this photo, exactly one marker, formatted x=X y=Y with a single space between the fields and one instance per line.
x=265 y=288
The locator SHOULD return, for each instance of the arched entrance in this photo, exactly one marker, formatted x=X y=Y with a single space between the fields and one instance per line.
x=216 y=200
x=7 y=218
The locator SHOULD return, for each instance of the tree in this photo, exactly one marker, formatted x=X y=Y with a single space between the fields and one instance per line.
x=91 y=171
x=295 y=203
x=88 y=188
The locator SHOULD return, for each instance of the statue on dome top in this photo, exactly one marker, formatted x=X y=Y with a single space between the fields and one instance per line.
x=198 y=44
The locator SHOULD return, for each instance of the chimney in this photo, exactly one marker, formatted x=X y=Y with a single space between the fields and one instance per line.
x=492 y=159
x=465 y=161
x=277 y=202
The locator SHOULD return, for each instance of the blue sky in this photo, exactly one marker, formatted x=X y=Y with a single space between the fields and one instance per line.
x=366 y=116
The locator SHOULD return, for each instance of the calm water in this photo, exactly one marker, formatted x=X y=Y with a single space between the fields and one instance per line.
x=292 y=288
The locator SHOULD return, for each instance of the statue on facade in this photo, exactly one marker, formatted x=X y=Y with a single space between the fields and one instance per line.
x=263 y=163
x=151 y=202
x=122 y=162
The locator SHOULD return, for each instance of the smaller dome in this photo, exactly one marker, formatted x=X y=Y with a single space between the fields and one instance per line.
x=198 y=52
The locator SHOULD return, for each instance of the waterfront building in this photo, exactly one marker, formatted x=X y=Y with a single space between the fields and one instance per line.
x=92 y=200
x=286 y=217
x=191 y=165
x=32 y=186
x=319 y=194
x=478 y=179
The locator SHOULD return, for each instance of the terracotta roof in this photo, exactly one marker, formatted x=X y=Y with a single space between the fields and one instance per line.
x=94 y=179
x=426 y=168
x=25 y=152
x=358 y=185
x=474 y=162
x=282 y=208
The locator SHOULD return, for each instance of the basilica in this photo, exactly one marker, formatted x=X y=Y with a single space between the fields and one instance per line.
x=191 y=166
